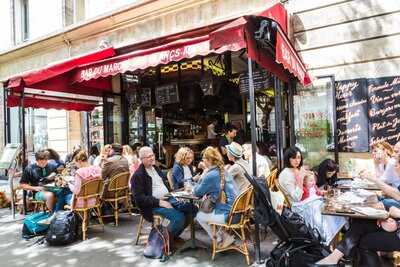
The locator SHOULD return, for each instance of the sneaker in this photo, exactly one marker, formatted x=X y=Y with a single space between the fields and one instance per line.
x=226 y=242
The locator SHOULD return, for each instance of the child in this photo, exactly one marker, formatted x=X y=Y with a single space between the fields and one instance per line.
x=310 y=189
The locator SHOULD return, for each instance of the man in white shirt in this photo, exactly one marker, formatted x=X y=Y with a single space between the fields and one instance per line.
x=149 y=186
x=211 y=134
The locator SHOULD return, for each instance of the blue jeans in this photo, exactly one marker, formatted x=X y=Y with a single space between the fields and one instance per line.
x=64 y=197
x=390 y=202
x=177 y=219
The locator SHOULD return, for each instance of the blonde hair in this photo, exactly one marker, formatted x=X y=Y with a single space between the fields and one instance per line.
x=81 y=156
x=212 y=154
x=127 y=150
x=104 y=150
x=384 y=146
x=182 y=154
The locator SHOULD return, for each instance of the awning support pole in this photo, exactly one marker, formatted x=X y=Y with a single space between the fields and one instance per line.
x=253 y=150
x=278 y=123
x=23 y=141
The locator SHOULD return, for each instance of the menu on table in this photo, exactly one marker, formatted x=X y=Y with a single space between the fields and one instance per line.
x=352 y=115
x=384 y=109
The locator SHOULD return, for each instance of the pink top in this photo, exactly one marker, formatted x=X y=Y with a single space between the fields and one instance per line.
x=82 y=175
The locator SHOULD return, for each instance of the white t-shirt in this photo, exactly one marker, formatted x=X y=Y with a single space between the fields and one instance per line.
x=390 y=176
x=187 y=174
x=158 y=186
x=262 y=166
x=211 y=131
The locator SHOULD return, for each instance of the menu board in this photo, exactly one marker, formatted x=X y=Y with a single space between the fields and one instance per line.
x=261 y=78
x=384 y=109
x=167 y=94
x=352 y=115
x=145 y=97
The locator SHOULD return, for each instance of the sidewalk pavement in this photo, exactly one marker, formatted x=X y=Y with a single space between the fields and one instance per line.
x=113 y=247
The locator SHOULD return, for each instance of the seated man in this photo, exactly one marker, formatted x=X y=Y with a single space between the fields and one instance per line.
x=149 y=186
x=37 y=174
x=115 y=163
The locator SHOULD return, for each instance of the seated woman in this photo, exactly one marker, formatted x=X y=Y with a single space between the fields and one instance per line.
x=368 y=236
x=84 y=173
x=381 y=154
x=291 y=181
x=182 y=169
x=211 y=184
x=100 y=159
x=132 y=157
x=326 y=173
x=239 y=167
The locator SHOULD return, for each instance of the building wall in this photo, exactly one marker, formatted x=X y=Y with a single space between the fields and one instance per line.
x=348 y=39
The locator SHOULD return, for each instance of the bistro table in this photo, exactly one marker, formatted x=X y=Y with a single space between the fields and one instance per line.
x=192 y=243
x=351 y=210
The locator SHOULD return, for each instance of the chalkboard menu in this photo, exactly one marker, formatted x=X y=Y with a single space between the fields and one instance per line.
x=167 y=94
x=145 y=97
x=384 y=109
x=262 y=80
x=352 y=115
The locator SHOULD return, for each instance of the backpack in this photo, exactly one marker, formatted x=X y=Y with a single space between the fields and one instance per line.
x=63 y=229
x=157 y=246
x=32 y=228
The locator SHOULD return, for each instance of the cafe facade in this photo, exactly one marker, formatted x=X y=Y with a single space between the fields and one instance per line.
x=158 y=83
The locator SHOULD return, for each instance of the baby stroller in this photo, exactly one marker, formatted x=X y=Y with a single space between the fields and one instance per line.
x=299 y=246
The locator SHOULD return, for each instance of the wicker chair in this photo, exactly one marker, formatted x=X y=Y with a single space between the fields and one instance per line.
x=89 y=190
x=117 y=190
x=241 y=208
x=270 y=180
x=279 y=187
x=170 y=179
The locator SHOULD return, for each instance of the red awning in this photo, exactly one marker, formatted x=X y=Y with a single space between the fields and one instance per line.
x=143 y=59
x=239 y=34
x=55 y=77
x=231 y=37
x=50 y=103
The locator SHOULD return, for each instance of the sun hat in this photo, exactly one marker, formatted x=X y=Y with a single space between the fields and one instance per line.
x=235 y=149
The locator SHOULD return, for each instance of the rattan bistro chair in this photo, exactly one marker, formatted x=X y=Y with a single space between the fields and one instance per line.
x=270 y=180
x=89 y=190
x=241 y=209
x=279 y=187
x=117 y=190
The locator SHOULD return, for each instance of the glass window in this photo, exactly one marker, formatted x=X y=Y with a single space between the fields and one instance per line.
x=313 y=117
x=5 y=21
x=39 y=24
x=96 y=127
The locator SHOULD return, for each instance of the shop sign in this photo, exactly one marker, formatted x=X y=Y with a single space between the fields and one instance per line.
x=352 y=115
x=146 y=59
x=100 y=71
x=384 y=109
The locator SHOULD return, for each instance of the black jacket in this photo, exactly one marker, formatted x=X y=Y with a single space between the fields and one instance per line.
x=142 y=189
